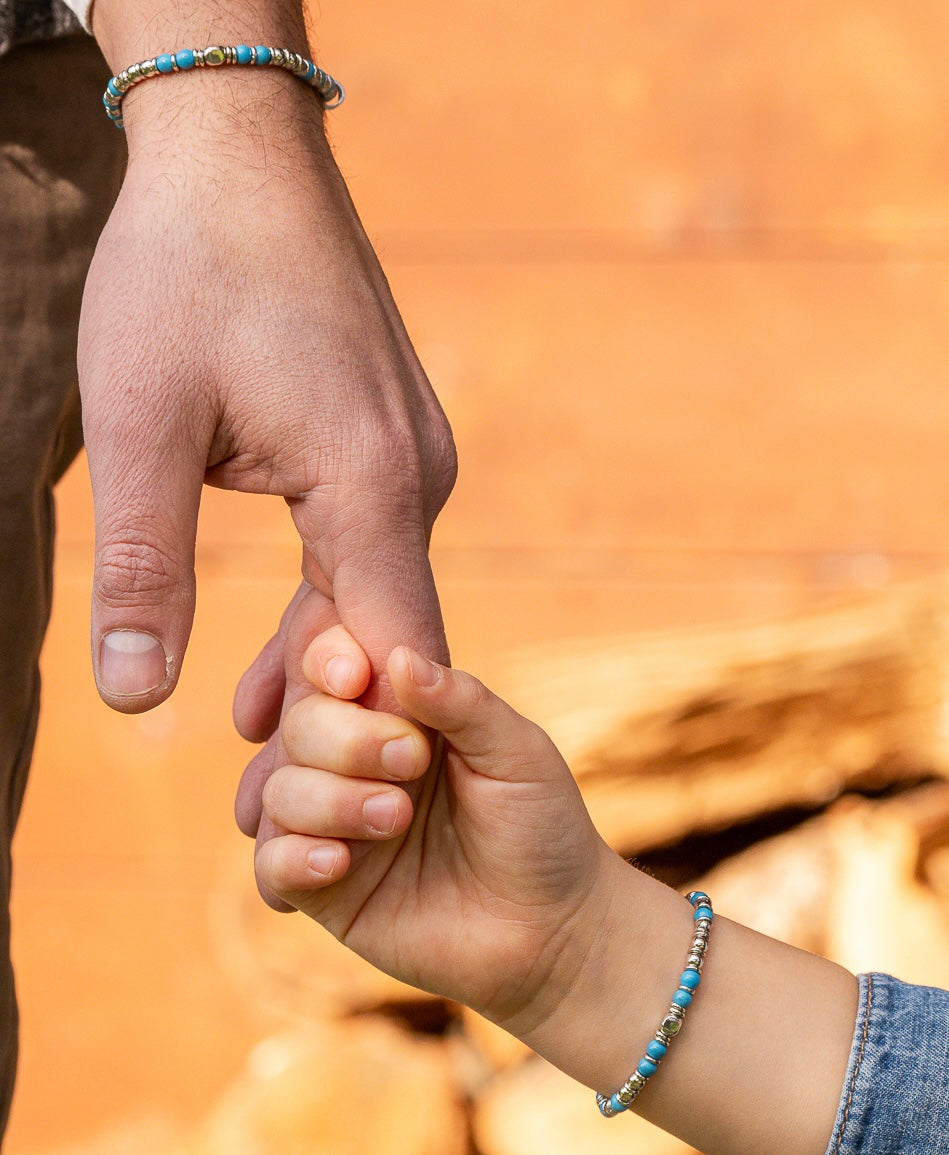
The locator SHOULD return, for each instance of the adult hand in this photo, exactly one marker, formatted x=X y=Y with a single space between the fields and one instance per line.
x=237 y=330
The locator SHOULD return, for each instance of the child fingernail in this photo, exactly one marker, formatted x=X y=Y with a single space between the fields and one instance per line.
x=381 y=812
x=323 y=859
x=424 y=672
x=337 y=673
x=399 y=757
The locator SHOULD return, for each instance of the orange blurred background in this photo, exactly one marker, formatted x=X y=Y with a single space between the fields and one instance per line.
x=680 y=276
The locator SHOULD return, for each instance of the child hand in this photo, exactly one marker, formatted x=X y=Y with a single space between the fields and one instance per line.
x=480 y=892
x=494 y=889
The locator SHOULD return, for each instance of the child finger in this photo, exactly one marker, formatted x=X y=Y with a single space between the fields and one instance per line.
x=295 y=862
x=320 y=803
x=336 y=664
x=346 y=738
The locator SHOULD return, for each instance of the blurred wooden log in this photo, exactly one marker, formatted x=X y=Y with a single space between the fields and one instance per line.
x=678 y=733
x=782 y=885
x=152 y=1133
x=862 y=884
x=534 y=1109
x=885 y=915
x=291 y=966
x=495 y=1045
x=341 y=1089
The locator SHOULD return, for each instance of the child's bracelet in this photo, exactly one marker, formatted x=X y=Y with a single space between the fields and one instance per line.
x=329 y=90
x=672 y=1023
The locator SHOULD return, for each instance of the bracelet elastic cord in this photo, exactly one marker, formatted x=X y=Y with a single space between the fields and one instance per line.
x=670 y=1026
x=329 y=90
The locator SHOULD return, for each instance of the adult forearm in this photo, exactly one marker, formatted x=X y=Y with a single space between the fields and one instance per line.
x=130 y=30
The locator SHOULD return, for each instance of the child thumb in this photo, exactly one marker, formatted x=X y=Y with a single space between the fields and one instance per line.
x=491 y=737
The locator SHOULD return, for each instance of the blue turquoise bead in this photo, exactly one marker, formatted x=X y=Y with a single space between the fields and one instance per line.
x=164 y=63
x=616 y=1104
x=112 y=88
x=646 y=1068
x=243 y=53
x=656 y=1050
x=264 y=55
x=184 y=58
x=682 y=998
x=690 y=980
x=702 y=912
x=310 y=70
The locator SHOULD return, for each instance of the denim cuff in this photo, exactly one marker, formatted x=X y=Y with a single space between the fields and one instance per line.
x=895 y=1098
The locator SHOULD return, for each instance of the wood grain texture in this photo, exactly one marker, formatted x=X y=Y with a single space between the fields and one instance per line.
x=680 y=275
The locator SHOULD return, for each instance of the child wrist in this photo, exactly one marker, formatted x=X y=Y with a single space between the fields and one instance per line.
x=657 y=1049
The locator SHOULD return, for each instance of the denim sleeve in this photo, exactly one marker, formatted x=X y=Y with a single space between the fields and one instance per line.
x=895 y=1097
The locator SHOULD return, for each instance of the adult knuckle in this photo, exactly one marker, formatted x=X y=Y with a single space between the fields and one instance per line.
x=442 y=471
x=129 y=571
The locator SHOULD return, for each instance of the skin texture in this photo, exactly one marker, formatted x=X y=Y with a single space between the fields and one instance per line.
x=490 y=885
x=238 y=331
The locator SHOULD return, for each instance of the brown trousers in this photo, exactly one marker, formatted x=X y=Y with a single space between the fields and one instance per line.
x=60 y=166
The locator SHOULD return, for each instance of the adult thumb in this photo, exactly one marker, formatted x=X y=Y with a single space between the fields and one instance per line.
x=146 y=512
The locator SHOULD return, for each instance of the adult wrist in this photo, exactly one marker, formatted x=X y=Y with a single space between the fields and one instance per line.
x=230 y=112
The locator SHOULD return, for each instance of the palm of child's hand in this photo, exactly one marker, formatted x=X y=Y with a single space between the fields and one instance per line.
x=474 y=891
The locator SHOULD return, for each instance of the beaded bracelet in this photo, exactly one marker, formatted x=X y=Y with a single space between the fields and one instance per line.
x=670 y=1026
x=330 y=91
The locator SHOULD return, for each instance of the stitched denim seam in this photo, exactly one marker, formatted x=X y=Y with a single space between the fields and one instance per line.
x=856 y=1066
